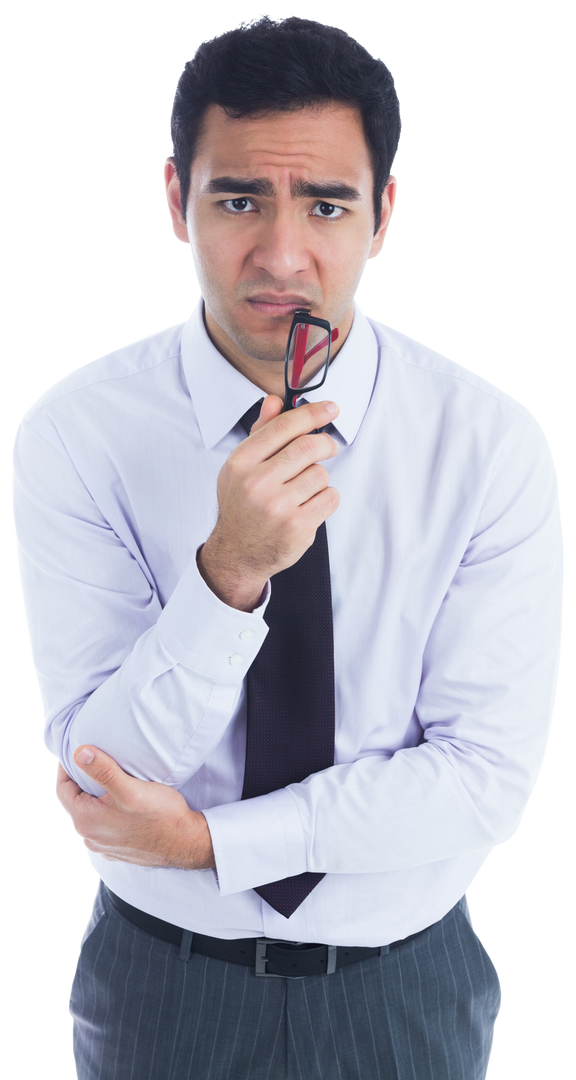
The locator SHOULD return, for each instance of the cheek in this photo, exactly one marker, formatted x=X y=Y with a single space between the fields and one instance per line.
x=217 y=257
x=209 y=258
x=343 y=257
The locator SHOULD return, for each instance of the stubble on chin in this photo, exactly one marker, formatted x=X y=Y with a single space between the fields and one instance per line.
x=263 y=347
x=256 y=349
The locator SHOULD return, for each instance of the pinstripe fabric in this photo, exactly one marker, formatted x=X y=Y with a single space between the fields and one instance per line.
x=425 y=1011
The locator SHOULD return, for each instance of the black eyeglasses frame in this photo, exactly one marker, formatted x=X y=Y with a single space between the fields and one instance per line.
x=299 y=317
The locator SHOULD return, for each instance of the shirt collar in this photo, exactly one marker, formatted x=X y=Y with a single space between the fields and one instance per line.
x=221 y=394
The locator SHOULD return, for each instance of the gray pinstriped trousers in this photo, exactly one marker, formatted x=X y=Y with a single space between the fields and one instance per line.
x=425 y=1011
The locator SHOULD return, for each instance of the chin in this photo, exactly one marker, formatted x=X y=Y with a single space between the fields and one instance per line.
x=256 y=345
x=268 y=356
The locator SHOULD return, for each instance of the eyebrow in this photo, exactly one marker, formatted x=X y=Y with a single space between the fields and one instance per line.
x=301 y=189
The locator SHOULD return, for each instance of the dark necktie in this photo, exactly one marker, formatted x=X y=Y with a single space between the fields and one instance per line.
x=290 y=692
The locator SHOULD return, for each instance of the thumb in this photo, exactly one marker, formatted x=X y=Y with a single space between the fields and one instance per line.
x=102 y=769
x=271 y=407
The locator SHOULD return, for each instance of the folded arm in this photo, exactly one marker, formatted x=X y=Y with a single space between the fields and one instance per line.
x=151 y=686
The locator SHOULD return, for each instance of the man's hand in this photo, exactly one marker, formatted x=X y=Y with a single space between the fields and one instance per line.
x=272 y=497
x=136 y=821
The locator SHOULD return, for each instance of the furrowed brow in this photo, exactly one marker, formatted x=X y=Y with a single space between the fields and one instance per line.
x=237 y=185
x=303 y=189
x=300 y=189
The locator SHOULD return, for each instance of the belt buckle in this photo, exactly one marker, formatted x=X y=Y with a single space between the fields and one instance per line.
x=262 y=959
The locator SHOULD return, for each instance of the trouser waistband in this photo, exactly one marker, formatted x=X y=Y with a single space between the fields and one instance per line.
x=268 y=957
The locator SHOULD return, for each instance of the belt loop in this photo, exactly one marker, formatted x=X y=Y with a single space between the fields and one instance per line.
x=186 y=946
x=384 y=950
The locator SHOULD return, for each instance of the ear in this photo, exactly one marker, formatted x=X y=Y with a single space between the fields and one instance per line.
x=388 y=200
x=173 y=195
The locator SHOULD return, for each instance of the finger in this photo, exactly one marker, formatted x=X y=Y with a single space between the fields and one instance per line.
x=271 y=407
x=66 y=793
x=66 y=788
x=285 y=428
x=62 y=777
x=101 y=768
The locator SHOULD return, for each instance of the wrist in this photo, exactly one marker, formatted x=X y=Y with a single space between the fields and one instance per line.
x=204 y=853
x=195 y=844
x=234 y=586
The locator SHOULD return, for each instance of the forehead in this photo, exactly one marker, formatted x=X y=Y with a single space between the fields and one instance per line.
x=322 y=141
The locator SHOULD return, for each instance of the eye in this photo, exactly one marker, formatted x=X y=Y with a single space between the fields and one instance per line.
x=238 y=206
x=328 y=210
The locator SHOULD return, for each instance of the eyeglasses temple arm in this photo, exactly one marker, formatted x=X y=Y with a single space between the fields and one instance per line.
x=321 y=345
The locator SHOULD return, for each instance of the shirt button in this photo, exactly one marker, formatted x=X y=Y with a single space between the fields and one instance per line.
x=236 y=659
x=246 y=634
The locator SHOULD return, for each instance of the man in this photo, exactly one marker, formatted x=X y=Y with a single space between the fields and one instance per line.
x=298 y=666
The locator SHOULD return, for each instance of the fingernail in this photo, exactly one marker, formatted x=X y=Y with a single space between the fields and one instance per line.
x=331 y=408
x=85 y=757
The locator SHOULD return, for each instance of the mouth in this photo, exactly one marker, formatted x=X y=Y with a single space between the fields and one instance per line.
x=279 y=306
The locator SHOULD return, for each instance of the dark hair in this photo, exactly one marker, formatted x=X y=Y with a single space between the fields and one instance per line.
x=267 y=67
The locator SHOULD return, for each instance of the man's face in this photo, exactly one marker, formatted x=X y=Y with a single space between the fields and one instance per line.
x=280 y=216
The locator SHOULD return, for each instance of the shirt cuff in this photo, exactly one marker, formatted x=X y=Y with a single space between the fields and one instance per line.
x=256 y=841
x=203 y=634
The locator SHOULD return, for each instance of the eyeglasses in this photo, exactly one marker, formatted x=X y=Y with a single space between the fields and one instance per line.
x=309 y=338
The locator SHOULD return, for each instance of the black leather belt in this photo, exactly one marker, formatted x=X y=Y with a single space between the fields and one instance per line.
x=269 y=957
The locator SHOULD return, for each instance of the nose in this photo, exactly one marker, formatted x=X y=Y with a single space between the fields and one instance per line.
x=281 y=248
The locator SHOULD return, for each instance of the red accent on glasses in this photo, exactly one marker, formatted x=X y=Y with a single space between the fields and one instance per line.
x=300 y=356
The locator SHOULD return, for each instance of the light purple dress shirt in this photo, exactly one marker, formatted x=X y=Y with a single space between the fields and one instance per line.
x=445 y=555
